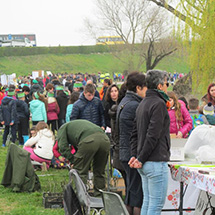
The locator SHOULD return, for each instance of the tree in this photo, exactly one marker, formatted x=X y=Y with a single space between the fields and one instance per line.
x=140 y=27
x=200 y=31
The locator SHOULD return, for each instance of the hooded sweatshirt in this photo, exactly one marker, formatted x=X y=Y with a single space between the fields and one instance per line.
x=44 y=142
x=38 y=110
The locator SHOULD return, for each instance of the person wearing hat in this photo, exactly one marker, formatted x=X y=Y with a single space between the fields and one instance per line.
x=208 y=111
x=78 y=87
x=8 y=116
x=23 y=118
x=36 y=87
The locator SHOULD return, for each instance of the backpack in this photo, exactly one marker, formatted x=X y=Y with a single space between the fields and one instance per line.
x=197 y=120
x=71 y=204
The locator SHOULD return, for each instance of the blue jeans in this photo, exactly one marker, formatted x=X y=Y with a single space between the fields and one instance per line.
x=154 y=176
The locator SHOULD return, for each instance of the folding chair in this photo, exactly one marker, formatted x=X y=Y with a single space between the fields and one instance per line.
x=113 y=203
x=87 y=202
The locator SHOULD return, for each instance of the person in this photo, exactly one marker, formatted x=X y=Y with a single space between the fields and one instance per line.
x=211 y=94
x=32 y=131
x=53 y=111
x=180 y=120
x=62 y=100
x=26 y=90
x=136 y=89
x=96 y=92
x=35 y=87
x=150 y=142
x=89 y=107
x=114 y=133
x=102 y=92
x=197 y=118
x=2 y=93
x=78 y=87
x=92 y=146
x=23 y=118
x=38 y=108
x=73 y=98
x=208 y=112
x=40 y=146
x=111 y=98
x=183 y=99
x=8 y=116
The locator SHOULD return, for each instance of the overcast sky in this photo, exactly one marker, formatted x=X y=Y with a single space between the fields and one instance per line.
x=55 y=22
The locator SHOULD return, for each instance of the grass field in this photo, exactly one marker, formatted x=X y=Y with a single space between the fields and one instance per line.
x=30 y=203
x=74 y=63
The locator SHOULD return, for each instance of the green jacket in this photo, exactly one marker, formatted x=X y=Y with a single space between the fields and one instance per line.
x=72 y=133
x=19 y=172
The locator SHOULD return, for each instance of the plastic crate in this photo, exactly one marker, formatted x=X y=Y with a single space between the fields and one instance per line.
x=53 y=200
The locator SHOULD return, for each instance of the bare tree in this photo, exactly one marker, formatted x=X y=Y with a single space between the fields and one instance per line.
x=141 y=31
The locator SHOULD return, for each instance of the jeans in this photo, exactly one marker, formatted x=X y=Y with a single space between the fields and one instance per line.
x=154 y=176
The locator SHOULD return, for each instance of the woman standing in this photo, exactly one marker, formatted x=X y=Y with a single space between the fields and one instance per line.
x=180 y=120
x=52 y=112
x=38 y=107
x=150 y=142
x=136 y=88
x=111 y=98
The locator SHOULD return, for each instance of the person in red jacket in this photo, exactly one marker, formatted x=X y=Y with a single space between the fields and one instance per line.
x=52 y=112
x=180 y=120
x=58 y=160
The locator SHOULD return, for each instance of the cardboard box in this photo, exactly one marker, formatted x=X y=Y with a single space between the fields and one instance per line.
x=177 y=149
x=118 y=185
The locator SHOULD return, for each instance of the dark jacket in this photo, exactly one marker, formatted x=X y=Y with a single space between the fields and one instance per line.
x=125 y=118
x=62 y=100
x=36 y=88
x=150 y=139
x=114 y=137
x=107 y=106
x=90 y=110
x=22 y=109
x=8 y=112
x=19 y=173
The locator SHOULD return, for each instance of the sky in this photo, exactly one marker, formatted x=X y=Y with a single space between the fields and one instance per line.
x=55 y=22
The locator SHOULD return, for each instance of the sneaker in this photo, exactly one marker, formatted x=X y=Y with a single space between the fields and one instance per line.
x=3 y=145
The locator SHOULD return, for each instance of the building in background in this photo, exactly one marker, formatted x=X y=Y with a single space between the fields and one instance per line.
x=8 y=38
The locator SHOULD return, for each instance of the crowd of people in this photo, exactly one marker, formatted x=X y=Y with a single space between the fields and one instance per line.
x=75 y=124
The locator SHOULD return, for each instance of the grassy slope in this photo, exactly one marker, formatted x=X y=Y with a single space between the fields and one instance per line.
x=92 y=63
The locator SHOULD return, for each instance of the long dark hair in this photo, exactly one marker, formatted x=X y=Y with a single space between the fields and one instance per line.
x=210 y=98
x=73 y=97
x=108 y=96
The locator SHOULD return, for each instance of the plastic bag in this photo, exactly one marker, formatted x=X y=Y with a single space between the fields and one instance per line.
x=202 y=135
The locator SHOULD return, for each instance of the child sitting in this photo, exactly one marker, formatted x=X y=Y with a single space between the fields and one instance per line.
x=197 y=117
x=43 y=141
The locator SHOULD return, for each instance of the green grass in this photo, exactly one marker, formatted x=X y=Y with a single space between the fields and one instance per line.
x=30 y=203
x=73 y=63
